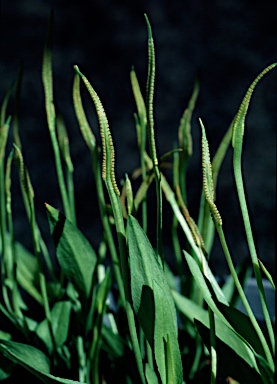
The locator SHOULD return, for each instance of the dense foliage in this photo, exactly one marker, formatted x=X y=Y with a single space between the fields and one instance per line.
x=119 y=314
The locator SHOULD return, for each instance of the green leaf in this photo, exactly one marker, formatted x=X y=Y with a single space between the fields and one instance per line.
x=189 y=308
x=150 y=374
x=113 y=343
x=6 y=367
x=4 y=130
x=144 y=262
x=60 y=317
x=81 y=116
x=30 y=323
x=266 y=372
x=229 y=289
x=200 y=280
x=32 y=359
x=140 y=107
x=237 y=349
x=235 y=359
x=102 y=293
x=27 y=271
x=75 y=255
x=267 y=274
x=5 y=335
x=146 y=313
x=97 y=323
x=25 y=355
x=170 y=278
x=166 y=346
x=4 y=105
x=184 y=130
x=153 y=302
x=242 y=324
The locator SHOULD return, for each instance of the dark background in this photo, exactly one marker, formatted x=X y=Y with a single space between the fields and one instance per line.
x=226 y=42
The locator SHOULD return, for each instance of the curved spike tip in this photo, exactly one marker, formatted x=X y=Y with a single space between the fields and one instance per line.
x=148 y=27
x=77 y=70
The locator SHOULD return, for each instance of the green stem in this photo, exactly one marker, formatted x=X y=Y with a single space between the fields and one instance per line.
x=47 y=79
x=176 y=245
x=92 y=355
x=71 y=197
x=182 y=173
x=47 y=311
x=250 y=240
x=4 y=129
x=144 y=201
x=82 y=359
x=12 y=272
x=120 y=228
x=151 y=135
x=141 y=123
x=197 y=357
x=106 y=224
x=3 y=229
x=243 y=297
x=213 y=347
x=238 y=127
x=60 y=176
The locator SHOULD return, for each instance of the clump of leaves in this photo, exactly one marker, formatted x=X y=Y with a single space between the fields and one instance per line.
x=130 y=322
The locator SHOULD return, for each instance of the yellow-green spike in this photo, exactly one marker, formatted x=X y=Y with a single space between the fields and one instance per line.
x=105 y=133
x=239 y=121
x=208 y=185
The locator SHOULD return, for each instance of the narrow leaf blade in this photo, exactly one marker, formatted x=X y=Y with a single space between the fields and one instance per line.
x=76 y=256
x=32 y=359
x=148 y=287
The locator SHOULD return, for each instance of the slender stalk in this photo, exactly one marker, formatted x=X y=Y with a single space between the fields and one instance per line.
x=96 y=364
x=83 y=377
x=4 y=130
x=92 y=354
x=237 y=142
x=40 y=248
x=197 y=357
x=5 y=260
x=141 y=123
x=213 y=347
x=252 y=249
x=151 y=134
x=47 y=311
x=243 y=297
x=12 y=272
x=63 y=142
x=185 y=141
x=144 y=201
x=125 y=275
x=47 y=79
x=176 y=245
x=107 y=227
